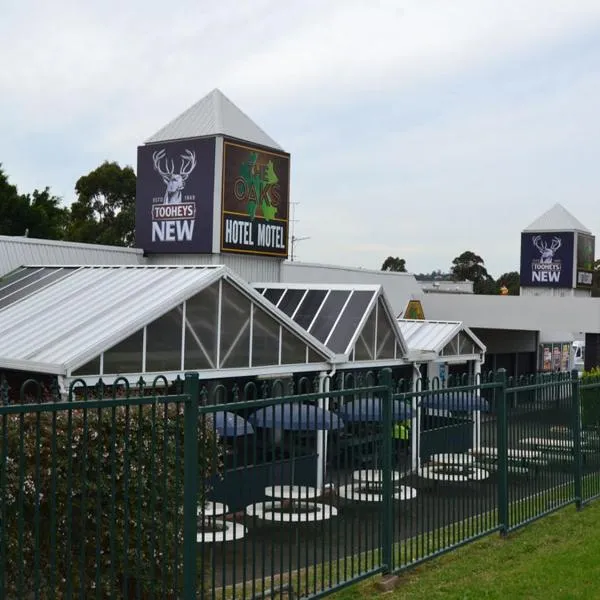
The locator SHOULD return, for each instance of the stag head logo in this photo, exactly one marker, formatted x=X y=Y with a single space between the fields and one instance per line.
x=547 y=252
x=175 y=182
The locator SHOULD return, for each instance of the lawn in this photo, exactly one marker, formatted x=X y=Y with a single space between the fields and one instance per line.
x=555 y=558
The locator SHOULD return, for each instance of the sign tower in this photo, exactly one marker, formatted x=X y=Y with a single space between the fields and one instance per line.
x=557 y=256
x=212 y=184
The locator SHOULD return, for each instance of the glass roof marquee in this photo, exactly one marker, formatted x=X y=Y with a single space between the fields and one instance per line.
x=355 y=321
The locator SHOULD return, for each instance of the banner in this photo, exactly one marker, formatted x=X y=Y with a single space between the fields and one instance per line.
x=547 y=259
x=255 y=204
x=586 y=248
x=174 y=196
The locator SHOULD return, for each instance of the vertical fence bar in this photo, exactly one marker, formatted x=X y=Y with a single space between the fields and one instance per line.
x=577 y=456
x=387 y=538
x=503 y=516
x=190 y=484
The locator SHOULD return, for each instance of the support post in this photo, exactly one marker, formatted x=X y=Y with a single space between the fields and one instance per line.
x=577 y=433
x=388 y=516
x=415 y=424
x=190 y=484
x=502 y=435
x=321 y=434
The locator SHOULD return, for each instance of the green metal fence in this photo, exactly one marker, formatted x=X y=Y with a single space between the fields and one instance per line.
x=261 y=489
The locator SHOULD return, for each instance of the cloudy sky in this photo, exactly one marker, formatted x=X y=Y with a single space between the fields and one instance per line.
x=417 y=128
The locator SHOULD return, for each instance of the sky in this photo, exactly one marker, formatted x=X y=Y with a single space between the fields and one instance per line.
x=417 y=128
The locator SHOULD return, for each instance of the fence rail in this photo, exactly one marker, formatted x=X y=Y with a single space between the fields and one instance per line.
x=258 y=490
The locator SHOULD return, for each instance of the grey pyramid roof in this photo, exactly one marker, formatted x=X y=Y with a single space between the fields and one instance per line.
x=214 y=114
x=558 y=218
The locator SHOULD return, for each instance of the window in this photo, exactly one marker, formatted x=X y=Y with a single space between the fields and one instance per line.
x=163 y=342
x=293 y=350
x=328 y=315
x=346 y=327
x=386 y=337
x=90 y=368
x=265 y=340
x=235 y=328
x=126 y=356
x=201 y=329
x=363 y=350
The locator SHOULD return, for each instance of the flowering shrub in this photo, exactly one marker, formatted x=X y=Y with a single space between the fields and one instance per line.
x=92 y=499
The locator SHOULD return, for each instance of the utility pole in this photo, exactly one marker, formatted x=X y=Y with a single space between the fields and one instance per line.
x=293 y=238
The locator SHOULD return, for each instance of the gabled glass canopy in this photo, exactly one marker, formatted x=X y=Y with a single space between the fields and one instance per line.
x=354 y=321
x=219 y=328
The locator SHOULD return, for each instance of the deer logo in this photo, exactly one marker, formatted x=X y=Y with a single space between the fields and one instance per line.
x=547 y=252
x=175 y=182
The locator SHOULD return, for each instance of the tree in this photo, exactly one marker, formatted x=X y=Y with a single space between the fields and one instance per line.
x=39 y=215
x=596 y=280
x=104 y=212
x=512 y=281
x=471 y=267
x=14 y=208
x=394 y=263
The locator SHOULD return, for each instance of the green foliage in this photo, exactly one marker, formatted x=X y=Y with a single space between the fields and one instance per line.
x=104 y=212
x=512 y=281
x=38 y=215
x=108 y=486
x=590 y=398
x=394 y=263
x=469 y=267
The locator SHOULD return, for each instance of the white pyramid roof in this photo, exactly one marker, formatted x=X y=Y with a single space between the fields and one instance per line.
x=558 y=218
x=214 y=114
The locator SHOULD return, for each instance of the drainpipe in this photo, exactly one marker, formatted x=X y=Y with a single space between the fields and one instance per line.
x=415 y=425
x=323 y=403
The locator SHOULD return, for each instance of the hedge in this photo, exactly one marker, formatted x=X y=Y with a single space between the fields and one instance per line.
x=92 y=500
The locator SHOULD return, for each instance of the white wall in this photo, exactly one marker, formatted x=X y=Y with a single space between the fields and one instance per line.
x=533 y=313
x=18 y=251
x=399 y=287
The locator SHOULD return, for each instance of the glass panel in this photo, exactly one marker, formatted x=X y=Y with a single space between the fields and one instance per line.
x=314 y=356
x=346 y=326
x=235 y=323
x=126 y=356
x=293 y=350
x=163 y=342
x=309 y=307
x=386 y=337
x=90 y=368
x=363 y=350
x=21 y=286
x=265 y=340
x=201 y=329
x=328 y=315
x=451 y=348
x=290 y=301
x=274 y=295
x=260 y=290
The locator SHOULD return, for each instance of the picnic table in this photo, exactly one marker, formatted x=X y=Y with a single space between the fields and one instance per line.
x=453 y=468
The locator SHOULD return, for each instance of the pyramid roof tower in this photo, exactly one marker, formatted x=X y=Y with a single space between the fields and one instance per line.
x=214 y=115
x=558 y=218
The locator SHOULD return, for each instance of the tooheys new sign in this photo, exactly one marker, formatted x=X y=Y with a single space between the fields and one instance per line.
x=255 y=201
x=547 y=259
x=174 y=196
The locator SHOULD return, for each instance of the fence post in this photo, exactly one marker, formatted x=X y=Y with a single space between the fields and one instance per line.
x=190 y=484
x=502 y=429
x=387 y=537
x=577 y=455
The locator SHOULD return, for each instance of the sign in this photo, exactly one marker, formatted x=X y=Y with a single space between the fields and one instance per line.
x=547 y=259
x=586 y=255
x=174 y=196
x=255 y=204
x=414 y=310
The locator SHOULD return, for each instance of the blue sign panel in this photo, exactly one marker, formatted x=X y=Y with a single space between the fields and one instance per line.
x=547 y=259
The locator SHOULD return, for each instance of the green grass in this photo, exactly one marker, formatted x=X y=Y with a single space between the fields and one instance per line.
x=552 y=559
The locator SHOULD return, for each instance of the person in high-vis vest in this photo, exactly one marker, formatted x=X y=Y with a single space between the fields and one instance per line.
x=401 y=435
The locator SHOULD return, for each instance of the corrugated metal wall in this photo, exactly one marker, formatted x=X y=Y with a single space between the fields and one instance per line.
x=251 y=268
x=18 y=251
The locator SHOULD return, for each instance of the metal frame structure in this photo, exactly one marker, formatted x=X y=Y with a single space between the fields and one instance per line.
x=350 y=330
x=56 y=320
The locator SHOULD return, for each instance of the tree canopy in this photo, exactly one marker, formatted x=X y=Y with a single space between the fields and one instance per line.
x=394 y=263
x=104 y=212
